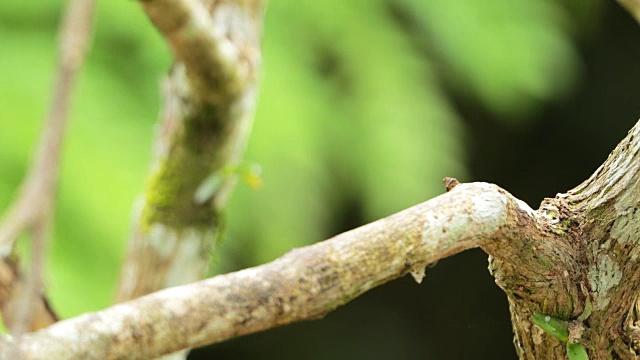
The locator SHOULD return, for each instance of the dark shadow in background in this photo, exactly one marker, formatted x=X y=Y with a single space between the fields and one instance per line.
x=458 y=312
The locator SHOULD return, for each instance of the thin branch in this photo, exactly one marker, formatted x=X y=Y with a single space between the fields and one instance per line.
x=28 y=299
x=633 y=7
x=304 y=284
x=33 y=208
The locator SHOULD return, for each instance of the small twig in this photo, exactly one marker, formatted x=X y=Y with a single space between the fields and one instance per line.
x=450 y=183
x=32 y=209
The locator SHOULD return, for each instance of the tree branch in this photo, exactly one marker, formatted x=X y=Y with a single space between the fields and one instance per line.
x=217 y=41
x=306 y=283
x=210 y=99
x=33 y=208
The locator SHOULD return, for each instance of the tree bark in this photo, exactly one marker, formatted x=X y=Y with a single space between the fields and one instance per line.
x=591 y=254
x=210 y=97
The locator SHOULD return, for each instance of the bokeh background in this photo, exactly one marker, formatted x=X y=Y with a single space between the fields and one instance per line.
x=365 y=106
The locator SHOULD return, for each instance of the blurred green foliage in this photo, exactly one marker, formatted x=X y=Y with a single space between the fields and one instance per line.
x=352 y=115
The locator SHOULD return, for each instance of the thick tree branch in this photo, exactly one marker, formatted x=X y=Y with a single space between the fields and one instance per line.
x=33 y=208
x=304 y=284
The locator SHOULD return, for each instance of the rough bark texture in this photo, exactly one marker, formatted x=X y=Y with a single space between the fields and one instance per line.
x=587 y=249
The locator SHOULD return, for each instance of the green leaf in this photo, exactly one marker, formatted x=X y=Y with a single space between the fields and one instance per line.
x=588 y=308
x=576 y=351
x=554 y=326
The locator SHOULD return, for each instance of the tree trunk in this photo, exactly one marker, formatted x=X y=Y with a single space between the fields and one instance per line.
x=585 y=249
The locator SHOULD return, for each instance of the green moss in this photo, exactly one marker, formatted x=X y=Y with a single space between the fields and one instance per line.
x=170 y=196
x=198 y=150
